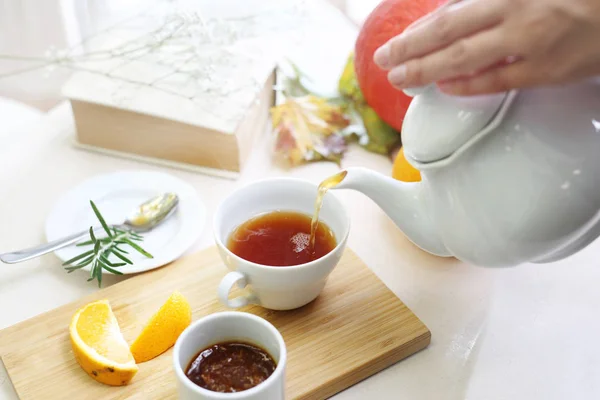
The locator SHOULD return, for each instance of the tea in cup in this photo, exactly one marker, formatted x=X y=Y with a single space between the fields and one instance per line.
x=262 y=232
x=230 y=355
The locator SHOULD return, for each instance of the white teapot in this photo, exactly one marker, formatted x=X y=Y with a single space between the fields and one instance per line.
x=506 y=179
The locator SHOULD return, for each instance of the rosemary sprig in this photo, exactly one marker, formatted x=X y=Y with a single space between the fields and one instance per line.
x=103 y=248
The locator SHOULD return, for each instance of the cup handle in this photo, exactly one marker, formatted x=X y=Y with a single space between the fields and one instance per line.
x=227 y=284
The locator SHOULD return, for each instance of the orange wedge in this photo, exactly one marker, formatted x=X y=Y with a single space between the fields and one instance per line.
x=99 y=346
x=163 y=329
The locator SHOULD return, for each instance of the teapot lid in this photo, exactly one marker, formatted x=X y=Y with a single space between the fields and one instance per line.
x=437 y=124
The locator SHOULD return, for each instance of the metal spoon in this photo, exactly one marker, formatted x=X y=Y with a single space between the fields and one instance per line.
x=144 y=218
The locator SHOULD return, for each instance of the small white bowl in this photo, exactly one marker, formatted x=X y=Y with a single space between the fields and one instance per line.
x=223 y=327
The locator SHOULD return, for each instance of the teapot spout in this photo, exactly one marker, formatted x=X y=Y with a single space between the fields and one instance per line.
x=404 y=202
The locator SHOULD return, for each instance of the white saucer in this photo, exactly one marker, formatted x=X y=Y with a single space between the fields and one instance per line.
x=115 y=195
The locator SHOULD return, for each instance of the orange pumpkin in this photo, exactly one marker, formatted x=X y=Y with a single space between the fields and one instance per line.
x=387 y=20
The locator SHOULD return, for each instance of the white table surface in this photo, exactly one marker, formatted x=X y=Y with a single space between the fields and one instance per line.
x=522 y=333
x=15 y=118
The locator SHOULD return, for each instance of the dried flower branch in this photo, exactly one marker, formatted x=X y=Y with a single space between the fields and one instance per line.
x=188 y=47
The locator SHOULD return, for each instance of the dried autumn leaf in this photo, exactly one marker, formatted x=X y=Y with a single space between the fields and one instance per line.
x=308 y=129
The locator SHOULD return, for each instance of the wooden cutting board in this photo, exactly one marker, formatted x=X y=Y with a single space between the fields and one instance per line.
x=354 y=329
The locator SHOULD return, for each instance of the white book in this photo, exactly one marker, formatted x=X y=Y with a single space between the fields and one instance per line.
x=190 y=83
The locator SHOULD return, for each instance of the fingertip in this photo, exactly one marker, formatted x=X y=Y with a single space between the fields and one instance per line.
x=382 y=56
x=397 y=76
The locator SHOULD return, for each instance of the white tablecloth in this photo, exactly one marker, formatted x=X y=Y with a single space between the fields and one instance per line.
x=521 y=333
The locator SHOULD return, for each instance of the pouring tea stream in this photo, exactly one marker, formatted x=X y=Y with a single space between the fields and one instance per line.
x=507 y=179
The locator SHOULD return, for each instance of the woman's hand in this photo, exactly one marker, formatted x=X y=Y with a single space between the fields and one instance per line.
x=485 y=46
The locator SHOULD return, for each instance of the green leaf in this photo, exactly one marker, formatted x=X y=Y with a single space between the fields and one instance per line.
x=103 y=247
x=348 y=84
x=117 y=265
x=382 y=137
x=367 y=128
x=99 y=276
x=122 y=257
x=85 y=262
x=138 y=248
x=79 y=257
x=101 y=219
x=120 y=249
x=105 y=260
x=93 y=271
x=134 y=236
x=114 y=271
x=76 y=267
x=108 y=267
x=88 y=242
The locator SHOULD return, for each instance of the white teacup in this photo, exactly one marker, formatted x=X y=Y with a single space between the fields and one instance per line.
x=277 y=288
x=229 y=326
